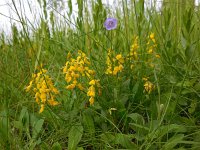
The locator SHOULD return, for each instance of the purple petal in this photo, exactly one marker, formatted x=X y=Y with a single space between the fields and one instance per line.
x=110 y=23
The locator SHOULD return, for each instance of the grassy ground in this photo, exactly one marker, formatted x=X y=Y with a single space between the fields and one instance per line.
x=73 y=84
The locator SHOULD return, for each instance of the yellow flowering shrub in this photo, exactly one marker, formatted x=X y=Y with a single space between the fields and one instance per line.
x=77 y=70
x=114 y=65
x=43 y=88
x=151 y=49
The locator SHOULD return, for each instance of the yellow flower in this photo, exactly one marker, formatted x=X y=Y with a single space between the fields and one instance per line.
x=71 y=86
x=68 y=78
x=92 y=82
x=157 y=56
x=86 y=61
x=80 y=69
x=109 y=71
x=37 y=97
x=135 y=45
x=117 y=69
x=43 y=97
x=72 y=68
x=54 y=90
x=152 y=37
x=80 y=87
x=77 y=70
x=121 y=67
x=41 y=108
x=28 y=88
x=52 y=102
x=69 y=55
x=92 y=72
x=150 y=51
x=120 y=58
x=64 y=69
x=76 y=75
x=91 y=100
x=75 y=82
x=145 y=78
x=43 y=88
x=91 y=91
x=148 y=86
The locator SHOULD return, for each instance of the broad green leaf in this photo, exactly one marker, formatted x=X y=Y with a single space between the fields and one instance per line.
x=137 y=118
x=37 y=128
x=108 y=138
x=24 y=117
x=125 y=141
x=135 y=89
x=18 y=125
x=56 y=146
x=138 y=126
x=75 y=135
x=88 y=122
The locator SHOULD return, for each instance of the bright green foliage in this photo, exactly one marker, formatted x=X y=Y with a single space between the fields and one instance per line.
x=134 y=87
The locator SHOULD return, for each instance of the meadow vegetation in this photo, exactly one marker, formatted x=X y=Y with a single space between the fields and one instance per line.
x=83 y=83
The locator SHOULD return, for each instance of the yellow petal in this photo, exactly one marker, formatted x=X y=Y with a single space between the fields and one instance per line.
x=91 y=100
x=41 y=108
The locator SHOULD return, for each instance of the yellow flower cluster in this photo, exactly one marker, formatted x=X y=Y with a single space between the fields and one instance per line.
x=43 y=89
x=75 y=70
x=133 y=51
x=91 y=90
x=114 y=65
x=151 y=45
x=148 y=86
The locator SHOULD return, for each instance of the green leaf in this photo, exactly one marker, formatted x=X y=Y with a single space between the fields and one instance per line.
x=37 y=128
x=138 y=126
x=18 y=125
x=24 y=117
x=172 y=142
x=4 y=125
x=125 y=141
x=135 y=89
x=107 y=138
x=137 y=118
x=119 y=139
x=189 y=52
x=75 y=135
x=193 y=106
x=163 y=130
x=56 y=146
x=88 y=122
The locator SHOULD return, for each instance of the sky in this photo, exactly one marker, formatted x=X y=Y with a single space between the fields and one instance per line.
x=9 y=16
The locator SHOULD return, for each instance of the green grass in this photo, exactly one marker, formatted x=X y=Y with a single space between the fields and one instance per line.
x=124 y=115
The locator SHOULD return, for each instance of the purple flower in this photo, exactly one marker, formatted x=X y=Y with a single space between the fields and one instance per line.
x=110 y=23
